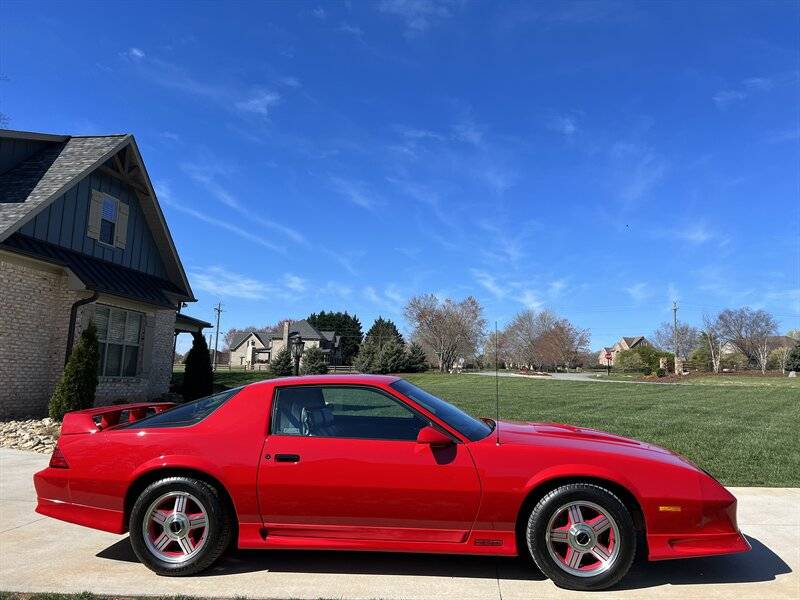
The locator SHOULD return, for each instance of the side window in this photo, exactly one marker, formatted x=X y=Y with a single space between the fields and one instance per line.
x=108 y=220
x=343 y=412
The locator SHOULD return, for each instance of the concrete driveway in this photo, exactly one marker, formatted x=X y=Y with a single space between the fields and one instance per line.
x=39 y=554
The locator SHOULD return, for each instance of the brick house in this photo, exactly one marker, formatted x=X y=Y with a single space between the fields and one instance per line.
x=624 y=343
x=259 y=347
x=82 y=237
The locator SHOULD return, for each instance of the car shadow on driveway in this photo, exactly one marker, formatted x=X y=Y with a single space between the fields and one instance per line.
x=760 y=564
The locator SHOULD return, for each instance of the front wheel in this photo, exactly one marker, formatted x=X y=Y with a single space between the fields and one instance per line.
x=582 y=537
x=179 y=526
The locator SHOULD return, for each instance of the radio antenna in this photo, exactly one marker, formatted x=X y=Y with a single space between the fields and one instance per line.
x=496 y=388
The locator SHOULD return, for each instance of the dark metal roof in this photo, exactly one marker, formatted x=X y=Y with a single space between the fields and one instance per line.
x=185 y=322
x=96 y=274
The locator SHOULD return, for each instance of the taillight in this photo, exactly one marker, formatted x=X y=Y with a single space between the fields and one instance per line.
x=57 y=460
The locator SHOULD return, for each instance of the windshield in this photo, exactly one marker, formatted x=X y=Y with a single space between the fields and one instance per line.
x=467 y=425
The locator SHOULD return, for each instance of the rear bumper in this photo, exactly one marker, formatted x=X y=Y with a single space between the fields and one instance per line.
x=53 y=500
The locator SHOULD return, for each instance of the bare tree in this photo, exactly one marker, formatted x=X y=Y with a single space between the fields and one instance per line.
x=687 y=337
x=524 y=335
x=749 y=331
x=561 y=344
x=448 y=329
x=714 y=340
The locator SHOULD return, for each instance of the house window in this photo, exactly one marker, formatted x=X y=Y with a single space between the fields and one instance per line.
x=108 y=220
x=118 y=332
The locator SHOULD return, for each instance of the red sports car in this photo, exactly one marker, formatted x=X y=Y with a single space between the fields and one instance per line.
x=376 y=463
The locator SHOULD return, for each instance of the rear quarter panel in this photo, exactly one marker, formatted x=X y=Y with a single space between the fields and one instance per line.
x=226 y=445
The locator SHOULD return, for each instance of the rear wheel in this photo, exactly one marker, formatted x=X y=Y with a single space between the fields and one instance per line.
x=179 y=526
x=582 y=537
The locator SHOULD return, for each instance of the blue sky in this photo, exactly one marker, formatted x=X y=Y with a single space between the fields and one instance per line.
x=598 y=159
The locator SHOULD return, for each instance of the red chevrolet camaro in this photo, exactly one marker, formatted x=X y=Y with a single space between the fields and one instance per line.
x=376 y=463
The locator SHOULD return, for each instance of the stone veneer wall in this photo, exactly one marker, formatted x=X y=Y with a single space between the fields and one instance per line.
x=34 y=315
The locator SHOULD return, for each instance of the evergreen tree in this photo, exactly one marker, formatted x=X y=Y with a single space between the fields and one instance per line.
x=198 y=379
x=367 y=358
x=346 y=325
x=417 y=361
x=76 y=388
x=282 y=365
x=392 y=358
x=384 y=331
x=793 y=361
x=314 y=362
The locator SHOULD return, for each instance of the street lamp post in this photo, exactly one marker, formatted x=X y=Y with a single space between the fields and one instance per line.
x=297 y=352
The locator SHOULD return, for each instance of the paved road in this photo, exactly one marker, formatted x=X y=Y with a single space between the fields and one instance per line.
x=585 y=376
x=38 y=554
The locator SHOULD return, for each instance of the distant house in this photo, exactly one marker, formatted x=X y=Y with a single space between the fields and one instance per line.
x=624 y=343
x=260 y=347
x=773 y=343
x=83 y=238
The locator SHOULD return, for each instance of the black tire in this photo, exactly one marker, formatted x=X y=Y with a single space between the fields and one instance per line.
x=550 y=505
x=217 y=537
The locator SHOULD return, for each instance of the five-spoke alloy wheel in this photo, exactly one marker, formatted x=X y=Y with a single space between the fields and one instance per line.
x=582 y=537
x=179 y=526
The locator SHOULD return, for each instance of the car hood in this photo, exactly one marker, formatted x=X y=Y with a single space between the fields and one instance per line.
x=571 y=436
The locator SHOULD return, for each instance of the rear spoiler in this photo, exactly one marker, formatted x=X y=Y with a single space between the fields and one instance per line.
x=93 y=420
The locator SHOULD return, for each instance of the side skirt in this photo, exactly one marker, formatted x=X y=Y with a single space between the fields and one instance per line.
x=489 y=543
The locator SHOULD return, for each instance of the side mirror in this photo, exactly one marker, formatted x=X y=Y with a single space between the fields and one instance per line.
x=433 y=437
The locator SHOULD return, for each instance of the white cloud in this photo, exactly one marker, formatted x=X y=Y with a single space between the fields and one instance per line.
x=319 y=12
x=530 y=299
x=417 y=14
x=203 y=175
x=751 y=85
x=390 y=300
x=489 y=283
x=351 y=29
x=564 y=124
x=221 y=282
x=639 y=292
x=260 y=103
x=725 y=98
x=354 y=191
x=134 y=54
x=640 y=169
x=165 y=196
x=292 y=82
x=556 y=287
x=468 y=131
x=295 y=283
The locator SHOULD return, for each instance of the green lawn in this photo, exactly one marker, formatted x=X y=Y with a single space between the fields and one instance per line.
x=740 y=429
x=743 y=434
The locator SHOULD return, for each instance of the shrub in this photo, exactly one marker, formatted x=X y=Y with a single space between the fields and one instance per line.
x=367 y=357
x=198 y=379
x=417 y=362
x=793 y=362
x=314 y=362
x=734 y=362
x=392 y=358
x=661 y=372
x=76 y=388
x=282 y=365
x=630 y=361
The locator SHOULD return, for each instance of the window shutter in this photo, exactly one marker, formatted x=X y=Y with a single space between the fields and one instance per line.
x=121 y=229
x=95 y=214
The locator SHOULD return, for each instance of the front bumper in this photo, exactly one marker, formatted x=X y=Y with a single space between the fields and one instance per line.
x=711 y=530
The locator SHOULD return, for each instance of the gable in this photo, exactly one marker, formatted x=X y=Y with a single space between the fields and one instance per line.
x=65 y=223
x=50 y=175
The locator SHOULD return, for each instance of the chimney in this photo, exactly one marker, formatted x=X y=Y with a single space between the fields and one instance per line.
x=286 y=334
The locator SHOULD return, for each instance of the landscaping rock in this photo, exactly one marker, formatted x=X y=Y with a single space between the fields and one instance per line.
x=37 y=435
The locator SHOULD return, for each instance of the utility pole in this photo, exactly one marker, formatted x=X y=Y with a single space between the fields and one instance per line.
x=675 y=331
x=218 y=310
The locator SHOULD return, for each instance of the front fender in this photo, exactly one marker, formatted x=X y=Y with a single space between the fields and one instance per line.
x=578 y=471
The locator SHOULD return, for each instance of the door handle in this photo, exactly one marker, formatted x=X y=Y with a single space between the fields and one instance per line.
x=289 y=458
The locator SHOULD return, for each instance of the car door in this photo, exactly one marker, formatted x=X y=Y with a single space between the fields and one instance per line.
x=342 y=461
